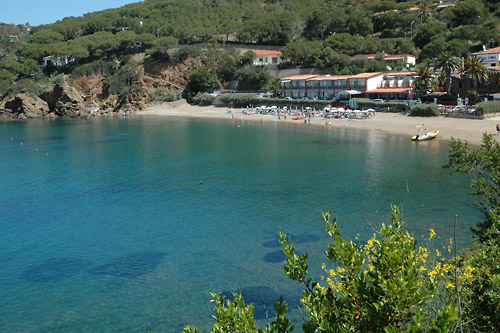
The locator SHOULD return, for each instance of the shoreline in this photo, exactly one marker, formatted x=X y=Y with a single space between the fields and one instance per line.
x=464 y=129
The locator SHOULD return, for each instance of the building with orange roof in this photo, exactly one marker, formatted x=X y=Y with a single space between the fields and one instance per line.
x=387 y=86
x=490 y=58
x=394 y=86
x=267 y=58
x=329 y=87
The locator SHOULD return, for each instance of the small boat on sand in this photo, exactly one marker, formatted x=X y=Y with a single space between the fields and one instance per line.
x=299 y=117
x=426 y=136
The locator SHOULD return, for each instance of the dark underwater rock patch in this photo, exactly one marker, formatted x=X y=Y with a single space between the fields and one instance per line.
x=275 y=256
x=55 y=269
x=131 y=265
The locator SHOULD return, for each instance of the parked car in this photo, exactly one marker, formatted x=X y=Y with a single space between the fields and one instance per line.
x=471 y=109
x=378 y=100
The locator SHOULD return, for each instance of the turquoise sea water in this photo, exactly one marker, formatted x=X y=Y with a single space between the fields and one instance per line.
x=127 y=224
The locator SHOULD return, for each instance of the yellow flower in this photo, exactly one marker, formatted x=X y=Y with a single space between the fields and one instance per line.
x=432 y=233
x=450 y=285
x=468 y=272
x=438 y=254
x=323 y=265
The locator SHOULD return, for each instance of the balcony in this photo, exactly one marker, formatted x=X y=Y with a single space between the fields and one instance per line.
x=395 y=84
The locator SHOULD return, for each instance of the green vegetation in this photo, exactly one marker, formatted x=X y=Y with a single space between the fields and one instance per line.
x=490 y=107
x=481 y=286
x=388 y=284
x=162 y=94
x=203 y=99
x=246 y=100
x=368 y=103
x=425 y=110
x=311 y=33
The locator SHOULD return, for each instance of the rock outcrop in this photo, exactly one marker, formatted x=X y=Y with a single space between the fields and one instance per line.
x=133 y=102
x=65 y=102
x=24 y=106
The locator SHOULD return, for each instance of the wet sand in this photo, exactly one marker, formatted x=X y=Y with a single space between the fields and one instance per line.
x=465 y=129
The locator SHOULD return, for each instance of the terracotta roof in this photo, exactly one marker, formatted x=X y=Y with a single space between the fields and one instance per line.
x=299 y=77
x=388 y=90
x=400 y=74
x=365 y=75
x=329 y=77
x=267 y=52
x=343 y=77
x=493 y=50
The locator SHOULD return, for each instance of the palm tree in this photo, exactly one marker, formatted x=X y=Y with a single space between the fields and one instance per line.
x=448 y=63
x=494 y=78
x=274 y=86
x=424 y=82
x=475 y=69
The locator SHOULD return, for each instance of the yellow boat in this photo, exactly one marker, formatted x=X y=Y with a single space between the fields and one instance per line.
x=426 y=136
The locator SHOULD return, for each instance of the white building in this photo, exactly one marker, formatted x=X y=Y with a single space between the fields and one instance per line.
x=387 y=86
x=267 y=57
x=394 y=86
x=329 y=87
x=490 y=58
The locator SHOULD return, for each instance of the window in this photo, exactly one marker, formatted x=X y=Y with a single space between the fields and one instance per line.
x=261 y=59
x=275 y=60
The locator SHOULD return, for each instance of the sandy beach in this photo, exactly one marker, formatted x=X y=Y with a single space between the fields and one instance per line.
x=465 y=129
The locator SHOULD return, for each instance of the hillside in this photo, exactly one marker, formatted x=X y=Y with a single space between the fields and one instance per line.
x=119 y=44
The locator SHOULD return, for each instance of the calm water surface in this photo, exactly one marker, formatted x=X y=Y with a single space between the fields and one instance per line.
x=127 y=224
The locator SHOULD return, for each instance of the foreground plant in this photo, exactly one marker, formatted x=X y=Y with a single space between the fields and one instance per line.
x=479 y=279
x=386 y=285
x=381 y=286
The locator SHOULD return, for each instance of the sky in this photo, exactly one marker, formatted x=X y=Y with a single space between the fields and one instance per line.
x=38 y=12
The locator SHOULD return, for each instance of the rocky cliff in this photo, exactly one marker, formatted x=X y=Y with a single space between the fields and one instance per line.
x=89 y=96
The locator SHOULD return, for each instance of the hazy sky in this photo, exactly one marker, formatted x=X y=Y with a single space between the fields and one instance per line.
x=49 y=11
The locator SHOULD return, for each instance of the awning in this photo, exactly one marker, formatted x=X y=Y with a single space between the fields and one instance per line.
x=351 y=92
x=388 y=90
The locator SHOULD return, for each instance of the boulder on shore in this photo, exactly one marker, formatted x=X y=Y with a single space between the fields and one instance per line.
x=65 y=102
x=24 y=106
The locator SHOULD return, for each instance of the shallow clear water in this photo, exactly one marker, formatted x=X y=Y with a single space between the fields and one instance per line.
x=127 y=224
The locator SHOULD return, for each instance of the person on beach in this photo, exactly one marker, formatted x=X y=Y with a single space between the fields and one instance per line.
x=498 y=129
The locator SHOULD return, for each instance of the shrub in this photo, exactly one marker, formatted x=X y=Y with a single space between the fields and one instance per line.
x=488 y=107
x=203 y=99
x=368 y=103
x=387 y=285
x=244 y=100
x=425 y=110
x=163 y=94
x=185 y=52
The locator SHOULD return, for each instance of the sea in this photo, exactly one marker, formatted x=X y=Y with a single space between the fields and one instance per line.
x=127 y=224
